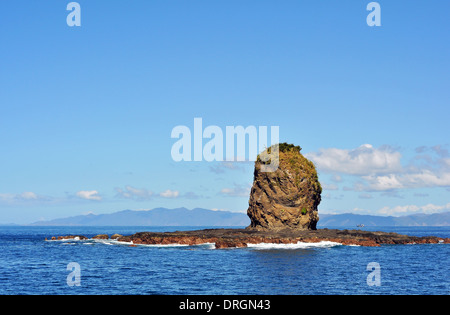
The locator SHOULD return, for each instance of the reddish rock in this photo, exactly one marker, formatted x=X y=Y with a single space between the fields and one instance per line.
x=232 y=238
x=101 y=237
x=229 y=244
x=69 y=237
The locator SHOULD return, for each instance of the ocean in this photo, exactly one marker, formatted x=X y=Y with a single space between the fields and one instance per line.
x=31 y=265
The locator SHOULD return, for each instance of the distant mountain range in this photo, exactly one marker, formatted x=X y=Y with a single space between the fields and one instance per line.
x=155 y=217
x=205 y=217
x=350 y=219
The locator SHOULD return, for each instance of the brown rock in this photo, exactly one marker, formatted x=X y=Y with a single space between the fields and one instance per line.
x=222 y=243
x=287 y=197
x=230 y=238
x=101 y=237
x=69 y=237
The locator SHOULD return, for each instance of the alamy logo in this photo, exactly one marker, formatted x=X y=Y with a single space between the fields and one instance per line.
x=74 y=277
x=216 y=149
x=374 y=278
x=374 y=17
x=74 y=17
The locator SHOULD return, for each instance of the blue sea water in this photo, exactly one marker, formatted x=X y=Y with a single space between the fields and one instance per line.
x=31 y=265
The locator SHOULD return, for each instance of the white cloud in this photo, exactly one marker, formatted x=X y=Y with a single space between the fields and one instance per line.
x=401 y=210
x=380 y=169
x=28 y=196
x=89 y=195
x=364 y=160
x=170 y=193
x=23 y=197
x=385 y=182
x=236 y=191
x=411 y=209
x=409 y=179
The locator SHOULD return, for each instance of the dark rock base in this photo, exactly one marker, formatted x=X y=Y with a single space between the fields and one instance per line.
x=231 y=238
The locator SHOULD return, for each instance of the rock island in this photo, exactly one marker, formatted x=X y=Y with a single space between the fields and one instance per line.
x=283 y=209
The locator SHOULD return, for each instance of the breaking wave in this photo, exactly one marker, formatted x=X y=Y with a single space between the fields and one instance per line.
x=299 y=245
x=259 y=246
x=115 y=242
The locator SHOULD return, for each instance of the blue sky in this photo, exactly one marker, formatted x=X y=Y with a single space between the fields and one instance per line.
x=87 y=112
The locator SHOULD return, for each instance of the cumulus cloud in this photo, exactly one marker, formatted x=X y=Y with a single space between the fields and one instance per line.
x=419 y=179
x=89 y=195
x=400 y=210
x=385 y=182
x=424 y=170
x=364 y=160
x=28 y=196
x=411 y=209
x=380 y=169
x=25 y=196
x=170 y=193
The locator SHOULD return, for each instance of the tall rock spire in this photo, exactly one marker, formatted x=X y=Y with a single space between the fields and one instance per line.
x=287 y=197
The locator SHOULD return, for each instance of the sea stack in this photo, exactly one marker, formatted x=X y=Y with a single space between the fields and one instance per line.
x=288 y=197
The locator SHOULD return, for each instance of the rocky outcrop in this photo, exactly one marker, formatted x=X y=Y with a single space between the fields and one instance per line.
x=235 y=238
x=287 y=197
x=282 y=209
x=101 y=237
x=68 y=237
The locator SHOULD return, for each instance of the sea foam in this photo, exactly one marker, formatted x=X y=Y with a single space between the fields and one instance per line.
x=299 y=245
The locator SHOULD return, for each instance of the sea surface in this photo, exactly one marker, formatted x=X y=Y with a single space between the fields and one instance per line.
x=31 y=265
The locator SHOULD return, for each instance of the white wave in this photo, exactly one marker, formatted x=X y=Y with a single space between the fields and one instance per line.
x=105 y=242
x=205 y=245
x=208 y=245
x=74 y=239
x=115 y=242
x=67 y=240
x=299 y=245
x=162 y=245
